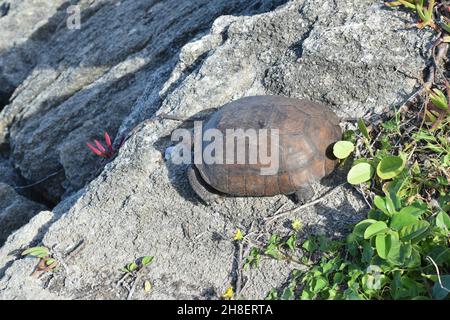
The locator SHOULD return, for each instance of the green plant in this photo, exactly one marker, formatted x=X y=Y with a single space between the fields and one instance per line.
x=425 y=14
x=46 y=262
x=401 y=250
x=131 y=275
x=438 y=98
x=424 y=11
x=137 y=265
x=401 y=165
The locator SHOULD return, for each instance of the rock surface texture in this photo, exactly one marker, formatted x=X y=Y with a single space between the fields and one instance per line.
x=134 y=59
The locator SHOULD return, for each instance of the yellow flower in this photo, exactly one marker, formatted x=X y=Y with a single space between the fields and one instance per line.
x=296 y=225
x=229 y=293
x=238 y=236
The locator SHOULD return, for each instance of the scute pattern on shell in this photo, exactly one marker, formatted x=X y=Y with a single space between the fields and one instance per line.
x=307 y=131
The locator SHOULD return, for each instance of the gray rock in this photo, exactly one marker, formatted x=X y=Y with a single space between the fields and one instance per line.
x=15 y=211
x=7 y=173
x=137 y=58
x=81 y=87
x=19 y=44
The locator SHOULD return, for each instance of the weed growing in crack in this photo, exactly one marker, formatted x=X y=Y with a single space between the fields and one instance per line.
x=46 y=262
x=132 y=273
x=107 y=152
x=423 y=10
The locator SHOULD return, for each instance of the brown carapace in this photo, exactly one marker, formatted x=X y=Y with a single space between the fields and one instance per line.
x=307 y=132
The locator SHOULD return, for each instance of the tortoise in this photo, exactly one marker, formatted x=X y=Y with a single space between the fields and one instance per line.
x=307 y=132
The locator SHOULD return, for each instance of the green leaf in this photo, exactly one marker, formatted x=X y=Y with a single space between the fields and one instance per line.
x=39 y=252
x=390 y=166
x=349 y=135
x=380 y=203
x=147 y=260
x=383 y=245
x=342 y=149
x=273 y=295
x=438 y=98
x=131 y=267
x=50 y=261
x=414 y=260
x=446 y=159
x=443 y=220
x=319 y=284
x=360 y=173
x=338 y=277
x=361 y=227
x=272 y=250
x=402 y=219
x=367 y=253
x=309 y=245
x=413 y=231
x=390 y=205
x=274 y=239
x=440 y=254
x=440 y=293
x=378 y=227
x=253 y=259
x=306 y=295
x=398 y=252
x=442 y=180
x=362 y=127
x=424 y=135
x=292 y=242
x=288 y=294
x=327 y=267
x=416 y=209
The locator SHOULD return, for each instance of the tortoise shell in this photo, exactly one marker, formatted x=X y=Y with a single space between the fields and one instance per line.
x=307 y=131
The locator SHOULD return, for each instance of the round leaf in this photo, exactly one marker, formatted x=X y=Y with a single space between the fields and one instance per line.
x=390 y=166
x=342 y=149
x=360 y=173
x=443 y=220
x=376 y=228
x=359 y=229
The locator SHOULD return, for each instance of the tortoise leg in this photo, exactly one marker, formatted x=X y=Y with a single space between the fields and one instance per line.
x=200 y=187
x=304 y=194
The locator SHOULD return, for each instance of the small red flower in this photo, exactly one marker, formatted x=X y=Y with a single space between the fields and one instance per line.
x=103 y=152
